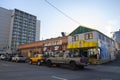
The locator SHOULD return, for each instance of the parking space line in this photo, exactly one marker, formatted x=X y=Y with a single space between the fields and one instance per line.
x=59 y=78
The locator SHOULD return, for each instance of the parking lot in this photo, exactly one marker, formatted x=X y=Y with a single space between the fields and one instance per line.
x=24 y=71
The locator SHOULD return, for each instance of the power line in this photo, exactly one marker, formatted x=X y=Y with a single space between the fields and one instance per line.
x=62 y=12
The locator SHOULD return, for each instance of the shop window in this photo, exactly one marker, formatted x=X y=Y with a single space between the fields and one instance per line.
x=94 y=53
x=88 y=36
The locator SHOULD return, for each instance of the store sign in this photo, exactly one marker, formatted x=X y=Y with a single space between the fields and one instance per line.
x=80 y=44
x=52 y=43
x=56 y=47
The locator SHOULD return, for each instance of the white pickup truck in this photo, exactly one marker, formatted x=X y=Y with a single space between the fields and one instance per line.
x=68 y=59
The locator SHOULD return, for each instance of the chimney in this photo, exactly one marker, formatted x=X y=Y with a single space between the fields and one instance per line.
x=63 y=34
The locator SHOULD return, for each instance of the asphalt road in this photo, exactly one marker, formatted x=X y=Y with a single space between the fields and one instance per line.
x=24 y=71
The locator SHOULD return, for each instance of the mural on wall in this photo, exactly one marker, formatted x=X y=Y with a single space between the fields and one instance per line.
x=107 y=51
x=112 y=53
x=104 y=51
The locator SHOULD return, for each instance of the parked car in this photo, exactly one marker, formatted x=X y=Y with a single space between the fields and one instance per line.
x=2 y=56
x=19 y=58
x=38 y=59
x=9 y=57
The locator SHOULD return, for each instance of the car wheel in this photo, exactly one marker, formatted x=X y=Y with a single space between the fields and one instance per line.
x=30 y=62
x=39 y=63
x=25 y=61
x=57 y=65
x=73 y=65
x=49 y=64
x=81 y=67
x=16 y=60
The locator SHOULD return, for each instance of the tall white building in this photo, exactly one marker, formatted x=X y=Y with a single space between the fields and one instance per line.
x=5 y=22
x=17 y=27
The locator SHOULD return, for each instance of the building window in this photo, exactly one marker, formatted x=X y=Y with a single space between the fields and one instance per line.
x=100 y=37
x=103 y=37
x=88 y=36
x=75 y=38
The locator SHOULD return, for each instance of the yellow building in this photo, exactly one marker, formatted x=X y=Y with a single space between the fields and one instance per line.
x=98 y=47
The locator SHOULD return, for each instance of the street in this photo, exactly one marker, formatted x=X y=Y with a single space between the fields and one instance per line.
x=24 y=71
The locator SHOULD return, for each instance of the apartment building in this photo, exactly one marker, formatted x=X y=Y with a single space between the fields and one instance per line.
x=20 y=28
x=116 y=37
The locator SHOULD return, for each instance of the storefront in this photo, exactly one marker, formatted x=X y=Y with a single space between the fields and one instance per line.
x=28 y=50
x=47 y=46
x=54 y=45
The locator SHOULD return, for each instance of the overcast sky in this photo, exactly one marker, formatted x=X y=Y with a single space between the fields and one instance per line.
x=103 y=15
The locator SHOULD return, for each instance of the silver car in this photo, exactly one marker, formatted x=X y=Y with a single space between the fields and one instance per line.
x=19 y=58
